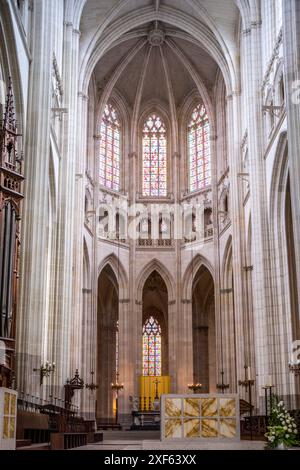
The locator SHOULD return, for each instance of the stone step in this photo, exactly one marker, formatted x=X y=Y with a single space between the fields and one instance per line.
x=130 y=435
x=44 y=446
x=23 y=443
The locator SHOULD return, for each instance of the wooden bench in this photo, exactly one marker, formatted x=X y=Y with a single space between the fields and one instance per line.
x=66 y=440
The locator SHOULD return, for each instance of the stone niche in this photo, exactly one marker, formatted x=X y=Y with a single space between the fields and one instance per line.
x=201 y=416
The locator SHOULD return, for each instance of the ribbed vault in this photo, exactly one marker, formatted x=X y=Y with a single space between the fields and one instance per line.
x=199 y=36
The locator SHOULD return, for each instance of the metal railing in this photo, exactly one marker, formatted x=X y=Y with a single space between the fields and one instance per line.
x=53 y=405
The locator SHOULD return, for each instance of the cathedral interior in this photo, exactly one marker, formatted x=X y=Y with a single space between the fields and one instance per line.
x=149 y=212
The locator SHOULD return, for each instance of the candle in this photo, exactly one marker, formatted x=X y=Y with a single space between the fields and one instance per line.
x=269 y=382
x=248 y=373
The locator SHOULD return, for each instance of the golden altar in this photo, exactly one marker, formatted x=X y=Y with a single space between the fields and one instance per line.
x=200 y=416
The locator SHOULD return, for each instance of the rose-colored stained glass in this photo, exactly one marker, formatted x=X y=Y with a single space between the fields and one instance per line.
x=199 y=149
x=154 y=157
x=109 y=171
x=151 y=347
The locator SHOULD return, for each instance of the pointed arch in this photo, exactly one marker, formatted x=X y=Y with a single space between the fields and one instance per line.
x=86 y=265
x=226 y=265
x=155 y=265
x=119 y=272
x=279 y=177
x=190 y=272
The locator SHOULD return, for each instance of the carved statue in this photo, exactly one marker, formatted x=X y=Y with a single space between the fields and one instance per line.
x=134 y=402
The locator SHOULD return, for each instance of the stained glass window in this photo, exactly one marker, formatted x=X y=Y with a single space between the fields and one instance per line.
x=154 y=157
x=151 y=347
x=110 y=149
x=199 y=149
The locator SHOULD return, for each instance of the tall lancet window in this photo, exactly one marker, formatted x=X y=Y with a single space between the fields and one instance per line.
x=110 y=149
x=154 y=157
x=151 y=347
x=199 y=149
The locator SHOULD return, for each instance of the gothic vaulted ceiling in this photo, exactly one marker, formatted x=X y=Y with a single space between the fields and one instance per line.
x=160 y=49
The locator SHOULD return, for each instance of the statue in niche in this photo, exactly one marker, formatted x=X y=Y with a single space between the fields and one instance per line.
x=134 y=403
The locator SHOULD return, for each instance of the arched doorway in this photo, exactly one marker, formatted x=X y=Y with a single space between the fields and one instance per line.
x=203 y=323
x=155 y=348
x=107 y=332
x=155 y=304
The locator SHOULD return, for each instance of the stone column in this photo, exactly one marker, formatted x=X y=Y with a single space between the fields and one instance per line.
x=184 y=350
x=237 y=223
x=135 y=306
x=88 y=356
x=127 y=367
x=263 y=308
x=32 y=306
x=83 y=313
x=174 y=305
x=65 y=324
x=77 y=315
x=291 y=47
x=217 y=260
x=172 y=333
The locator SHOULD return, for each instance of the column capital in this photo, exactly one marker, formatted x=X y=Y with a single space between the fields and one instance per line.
x=256 y=24
x=246 y=31
x=233 y=94
x=86 y=291
x=176 y=155
x=186 y=301
x=83 y=96
x=132 y=155
x=226 y=291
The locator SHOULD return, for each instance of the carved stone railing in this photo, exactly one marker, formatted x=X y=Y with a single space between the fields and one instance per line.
x=155 y=243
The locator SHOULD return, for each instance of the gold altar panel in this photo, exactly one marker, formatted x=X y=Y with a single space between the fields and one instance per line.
x=228 y=428
x=6 y=403
x=12 y=428
x=173 y=407
x=5 y=427
x=209 y=428
x=173 y=428
x=209 y=407
x=13 y=404
x=227 y=407
x=191 y=407
x=200 y=416
x=191 y=428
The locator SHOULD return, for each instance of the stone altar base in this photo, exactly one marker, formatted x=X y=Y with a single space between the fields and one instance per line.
x=146 y=420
